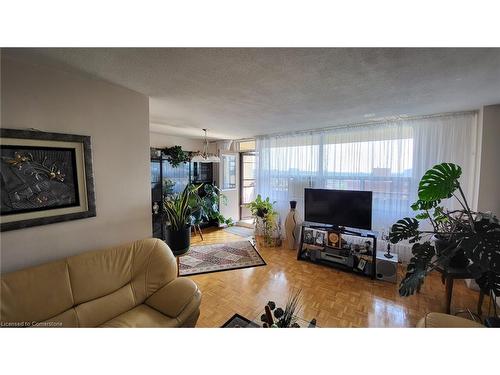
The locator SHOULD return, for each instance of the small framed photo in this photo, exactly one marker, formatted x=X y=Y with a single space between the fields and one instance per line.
x=361 y=264
x=309 y=236
x=334 y=239
x=319 y=237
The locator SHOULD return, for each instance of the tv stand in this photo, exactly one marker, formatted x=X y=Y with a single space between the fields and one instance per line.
x=343 y=258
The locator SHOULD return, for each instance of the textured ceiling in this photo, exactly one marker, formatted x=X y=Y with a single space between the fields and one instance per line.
x=238 y=93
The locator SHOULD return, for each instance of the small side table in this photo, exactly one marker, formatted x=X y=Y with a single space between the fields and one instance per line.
x=448 y=275
x=177 y=255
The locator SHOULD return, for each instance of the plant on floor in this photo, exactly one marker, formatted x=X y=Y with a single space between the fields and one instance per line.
x=178 y=221
x=206 y=207
x=459 y=238
x=175 y=155
x=282 y=318
x=263 y=209
x=177 y=208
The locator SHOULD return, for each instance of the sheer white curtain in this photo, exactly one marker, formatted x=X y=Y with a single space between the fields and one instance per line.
x=387 y=158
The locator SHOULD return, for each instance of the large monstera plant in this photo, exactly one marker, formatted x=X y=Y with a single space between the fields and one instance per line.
x=475 y=235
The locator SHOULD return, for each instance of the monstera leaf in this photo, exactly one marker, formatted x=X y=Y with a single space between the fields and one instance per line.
x=489 y=281
x=405 y=229
x=417 y=268
x=439 y=215
x=482 y=247
x=422 y=216
x=439 y=182
x=421 y=205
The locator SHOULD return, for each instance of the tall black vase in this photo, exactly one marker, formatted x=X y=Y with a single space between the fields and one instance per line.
x=179 y=241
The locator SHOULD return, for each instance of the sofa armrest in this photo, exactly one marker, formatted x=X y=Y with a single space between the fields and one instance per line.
x=179 y=297
x=439 y=320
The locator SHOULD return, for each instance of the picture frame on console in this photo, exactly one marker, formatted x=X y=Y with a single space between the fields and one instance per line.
x=334 y=239
x=361 y=264
x=45 y=178
x=319 y=237
x=309 y=236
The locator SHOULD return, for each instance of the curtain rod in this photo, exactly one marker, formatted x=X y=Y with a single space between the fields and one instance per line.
x=368 y=123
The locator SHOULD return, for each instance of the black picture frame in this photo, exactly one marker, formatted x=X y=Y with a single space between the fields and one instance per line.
x=88 y=209
x=239 y=321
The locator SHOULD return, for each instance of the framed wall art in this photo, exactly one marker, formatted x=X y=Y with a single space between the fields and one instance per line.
x=45 y=178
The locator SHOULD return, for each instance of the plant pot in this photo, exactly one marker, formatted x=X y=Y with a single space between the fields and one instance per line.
x=459 y=260
x=272 y=233
x=259 y=226
x=178 y=240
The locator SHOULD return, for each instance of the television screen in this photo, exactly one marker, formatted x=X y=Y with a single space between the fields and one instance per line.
x=346 y=208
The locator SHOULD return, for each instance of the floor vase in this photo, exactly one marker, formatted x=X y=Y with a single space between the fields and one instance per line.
x=291 y=222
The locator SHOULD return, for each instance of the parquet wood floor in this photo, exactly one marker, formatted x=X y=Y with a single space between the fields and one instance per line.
x=335 y=298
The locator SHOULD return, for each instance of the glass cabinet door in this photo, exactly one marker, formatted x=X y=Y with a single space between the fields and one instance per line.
x=175 y=179
x=201 y=172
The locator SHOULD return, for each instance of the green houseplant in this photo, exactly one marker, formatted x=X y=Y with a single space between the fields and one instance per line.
x=473 y=237
x=178 y=215
x=176 y=155
x=263 y=209
x=206 y=207
x=168 y=186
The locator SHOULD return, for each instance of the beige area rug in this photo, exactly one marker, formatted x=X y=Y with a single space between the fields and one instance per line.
x=219 y=257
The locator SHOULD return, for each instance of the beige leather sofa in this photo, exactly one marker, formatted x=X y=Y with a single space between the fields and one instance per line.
x=439 y=320
x=133 y=285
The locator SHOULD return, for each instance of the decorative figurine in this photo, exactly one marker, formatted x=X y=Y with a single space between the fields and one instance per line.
x=385 y=237
x=388 y=254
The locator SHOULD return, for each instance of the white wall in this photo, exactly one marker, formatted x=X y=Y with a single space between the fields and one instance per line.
x=117 y=119
x=159 y=140
x=489 y=178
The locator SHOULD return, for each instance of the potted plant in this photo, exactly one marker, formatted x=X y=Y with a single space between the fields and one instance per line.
x=284 y=318
x=457 y=236
x=176 y=155
x=206 y=207
x=263 y=212
x=178 y=215
x=168 y=187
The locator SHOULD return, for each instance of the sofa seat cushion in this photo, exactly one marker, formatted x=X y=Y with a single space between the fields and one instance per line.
x=439 y=320
x=141 y=316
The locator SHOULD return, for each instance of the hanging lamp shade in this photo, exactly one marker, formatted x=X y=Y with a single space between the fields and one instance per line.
x=205 y=156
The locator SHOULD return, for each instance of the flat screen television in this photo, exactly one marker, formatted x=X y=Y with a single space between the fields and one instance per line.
x=346 y=208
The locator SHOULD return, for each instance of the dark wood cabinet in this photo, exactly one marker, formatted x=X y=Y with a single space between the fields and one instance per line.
x=202 y=173
x=167 y=180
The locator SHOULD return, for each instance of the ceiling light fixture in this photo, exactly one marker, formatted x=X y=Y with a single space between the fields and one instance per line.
x=205 y=156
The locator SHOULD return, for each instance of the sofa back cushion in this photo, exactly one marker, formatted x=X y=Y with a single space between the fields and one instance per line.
x=91 y=288
x=36 y=294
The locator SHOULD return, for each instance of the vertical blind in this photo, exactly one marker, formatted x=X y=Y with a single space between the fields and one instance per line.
x=387 y=158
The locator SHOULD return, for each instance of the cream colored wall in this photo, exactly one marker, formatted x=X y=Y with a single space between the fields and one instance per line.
x=117 y=119
x=489 y=178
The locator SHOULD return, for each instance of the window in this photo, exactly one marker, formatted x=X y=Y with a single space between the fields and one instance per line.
x=248 y=145
x=386 y=158
x=229 y=172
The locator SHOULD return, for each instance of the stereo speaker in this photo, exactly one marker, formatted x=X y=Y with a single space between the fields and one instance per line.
x=387 y=268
